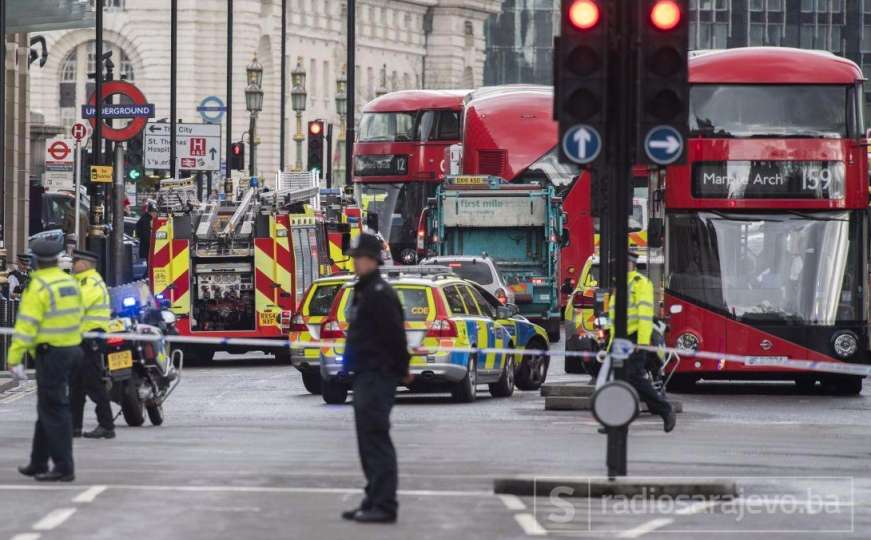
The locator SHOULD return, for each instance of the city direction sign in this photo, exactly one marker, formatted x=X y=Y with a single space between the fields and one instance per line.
x=198 y=147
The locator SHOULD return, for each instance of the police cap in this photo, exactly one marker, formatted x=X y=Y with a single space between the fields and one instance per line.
x=367 y=245
x=84 y=255
x=634 y=256
x=23 y=257
x=47 y=248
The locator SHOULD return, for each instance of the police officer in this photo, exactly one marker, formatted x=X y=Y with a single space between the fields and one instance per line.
x=48 y=328
x=377 y=352
x=88 y=374
x=639 y=327
x=18 y=278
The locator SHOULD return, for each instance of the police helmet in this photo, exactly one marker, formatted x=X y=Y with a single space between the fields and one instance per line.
x=367 y=245
x=47 y=249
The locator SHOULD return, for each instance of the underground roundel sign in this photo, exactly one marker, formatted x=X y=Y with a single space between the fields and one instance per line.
x=136 y=109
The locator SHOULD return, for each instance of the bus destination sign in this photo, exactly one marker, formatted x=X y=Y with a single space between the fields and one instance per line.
x=766 y=179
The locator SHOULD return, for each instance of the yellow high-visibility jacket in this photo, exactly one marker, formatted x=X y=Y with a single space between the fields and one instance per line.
x=50 y=313
x=639 y=308
x=95 y=299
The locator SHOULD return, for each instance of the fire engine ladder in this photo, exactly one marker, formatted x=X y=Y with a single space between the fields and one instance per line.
x=241 y=211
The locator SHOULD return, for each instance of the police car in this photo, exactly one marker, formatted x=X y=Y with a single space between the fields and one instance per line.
x=443 y=311
x=305 y=327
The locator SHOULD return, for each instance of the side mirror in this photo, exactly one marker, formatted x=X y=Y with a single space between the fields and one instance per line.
x=346 y=242
x=675 y=309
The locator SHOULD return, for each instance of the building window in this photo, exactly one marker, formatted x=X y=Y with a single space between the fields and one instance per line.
x=757 y=35
x=808 y=36
x=68 y=71
x=866 y=4
x=775 y=5
x=866 y=38
x=835 y=45
x=713 y=36
x=808 y=5
x=757 y=5
x=128 y=73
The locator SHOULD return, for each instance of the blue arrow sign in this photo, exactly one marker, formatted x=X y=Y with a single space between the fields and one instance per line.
x=663 y=145
x=212 y=109
x=582 y=144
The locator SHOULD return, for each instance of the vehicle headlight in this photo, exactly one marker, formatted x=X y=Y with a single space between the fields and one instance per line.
x=688 y=342
x=845 y=344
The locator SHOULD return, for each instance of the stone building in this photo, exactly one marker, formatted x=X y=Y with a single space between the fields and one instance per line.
x=401 y=44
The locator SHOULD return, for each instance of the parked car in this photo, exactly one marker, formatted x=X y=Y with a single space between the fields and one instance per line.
x=443 y=310
x=480 y=269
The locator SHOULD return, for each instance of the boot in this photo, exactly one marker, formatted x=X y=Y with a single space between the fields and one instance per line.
x=100 y=433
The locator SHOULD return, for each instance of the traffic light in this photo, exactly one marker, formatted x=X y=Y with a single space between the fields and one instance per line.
x=237 y=157
x=316 y=145
x=581 y=78
x=663 y=84
x=133 y=165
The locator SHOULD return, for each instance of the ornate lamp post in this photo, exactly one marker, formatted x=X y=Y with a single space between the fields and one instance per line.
x=298 y=97
x=342 y=110
x=254 y=104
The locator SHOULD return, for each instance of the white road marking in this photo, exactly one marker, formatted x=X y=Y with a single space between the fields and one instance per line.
x=252 y=489
x=18 y=394
x=530 y=525
x=645 y=528
x=27 y=536
x=53 y=519
x=512 y=502
x=695 y=508
x=89 y=494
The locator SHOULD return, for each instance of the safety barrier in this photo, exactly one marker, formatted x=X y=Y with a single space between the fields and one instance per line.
x=841 y=368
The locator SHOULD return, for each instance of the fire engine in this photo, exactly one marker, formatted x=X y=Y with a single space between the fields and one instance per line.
x=238 y=267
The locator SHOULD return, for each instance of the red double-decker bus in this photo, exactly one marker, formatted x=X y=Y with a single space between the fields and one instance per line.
x=767 y=224
x=399 y=159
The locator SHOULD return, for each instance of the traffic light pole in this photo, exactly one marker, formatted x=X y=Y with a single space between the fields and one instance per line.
x=619 y=146
x=173 y=84
x=118 y=218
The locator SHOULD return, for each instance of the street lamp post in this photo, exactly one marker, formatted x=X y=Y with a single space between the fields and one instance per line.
x=298 y=99
x=341 y=110
x=254 y=104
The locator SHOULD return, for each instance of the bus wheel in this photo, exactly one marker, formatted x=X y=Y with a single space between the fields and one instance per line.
x=842 y=385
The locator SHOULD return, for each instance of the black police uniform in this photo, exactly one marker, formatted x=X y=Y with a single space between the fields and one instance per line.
x=377 y=350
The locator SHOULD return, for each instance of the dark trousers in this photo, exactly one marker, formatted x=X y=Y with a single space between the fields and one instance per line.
x=374 y=395
x=635 y=375
x=88 y=381
x=53 y=435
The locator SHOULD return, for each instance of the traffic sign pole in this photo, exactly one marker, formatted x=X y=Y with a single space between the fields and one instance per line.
x=77 y=174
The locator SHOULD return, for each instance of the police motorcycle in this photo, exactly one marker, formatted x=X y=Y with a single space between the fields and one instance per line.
x=141 y=374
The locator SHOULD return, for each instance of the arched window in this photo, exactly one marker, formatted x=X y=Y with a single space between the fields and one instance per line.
x=70 y=65
x=127 y=70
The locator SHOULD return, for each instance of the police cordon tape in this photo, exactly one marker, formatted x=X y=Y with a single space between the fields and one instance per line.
x=841 y=368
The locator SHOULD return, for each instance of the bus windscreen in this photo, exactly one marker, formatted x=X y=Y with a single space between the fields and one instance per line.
x=776 y=111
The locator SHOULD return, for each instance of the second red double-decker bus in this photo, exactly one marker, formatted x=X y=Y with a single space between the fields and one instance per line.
x=767 y=224
x=399 y=159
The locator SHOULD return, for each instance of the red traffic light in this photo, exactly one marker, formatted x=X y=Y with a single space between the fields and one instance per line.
x=236 y=149
x=584 y=14
x=665 y=15
x=315 y=128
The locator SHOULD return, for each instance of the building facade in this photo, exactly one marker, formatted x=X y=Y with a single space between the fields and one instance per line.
x=519 y=38
x=401 y=44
